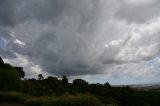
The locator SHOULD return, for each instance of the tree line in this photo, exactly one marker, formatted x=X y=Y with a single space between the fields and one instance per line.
x=12 y=79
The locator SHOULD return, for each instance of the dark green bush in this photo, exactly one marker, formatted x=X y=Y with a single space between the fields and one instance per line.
x=11 y=97
x=9 y=79
x=79 y=100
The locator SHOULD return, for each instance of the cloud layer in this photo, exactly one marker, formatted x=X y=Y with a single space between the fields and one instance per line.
x=81 y=37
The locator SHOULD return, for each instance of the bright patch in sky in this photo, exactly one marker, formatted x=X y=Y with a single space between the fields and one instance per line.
x=16 y=41
x=3 y=43
x=140 y=1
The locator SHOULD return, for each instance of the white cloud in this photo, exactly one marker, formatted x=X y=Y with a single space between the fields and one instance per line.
x=31 y=70
x=140 y=1
x=16 y=41
x=158 y=61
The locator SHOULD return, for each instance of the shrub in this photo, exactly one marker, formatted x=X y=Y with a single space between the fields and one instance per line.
x=9 y=79
x=79 y=100
x=11 y=97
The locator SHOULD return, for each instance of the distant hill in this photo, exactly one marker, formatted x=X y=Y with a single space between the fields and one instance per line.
x=146 y=86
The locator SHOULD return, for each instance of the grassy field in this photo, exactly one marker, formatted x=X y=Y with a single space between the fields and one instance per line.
x=16 y=99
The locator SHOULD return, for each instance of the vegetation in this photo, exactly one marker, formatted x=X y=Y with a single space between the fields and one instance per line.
x=78 y=100
x=51 y=91
x=9 y=78
x=12 y=97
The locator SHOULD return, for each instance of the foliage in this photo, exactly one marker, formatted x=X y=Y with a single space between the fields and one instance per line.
x=107 y=85
x=80 y=85
x=11 y=97
x=40 y=77
x=48 y=86
x=20 y=72
x=54 y=92
x=9 y=78
x=79 y=100
x=64 y=80
x=79 y=82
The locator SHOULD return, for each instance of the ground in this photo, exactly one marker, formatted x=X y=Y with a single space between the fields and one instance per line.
x=12 y=104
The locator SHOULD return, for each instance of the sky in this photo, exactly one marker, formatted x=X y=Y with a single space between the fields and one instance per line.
x=115 y=41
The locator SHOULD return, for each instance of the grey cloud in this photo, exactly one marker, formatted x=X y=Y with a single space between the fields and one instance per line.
x=59 y=35
x=126 y=51
x=112 y=50
x=68 y=36
x=19 y=11
x=139 y=12
x=6 y=43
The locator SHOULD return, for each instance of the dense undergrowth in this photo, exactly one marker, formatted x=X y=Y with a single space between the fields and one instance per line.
x=65 y=100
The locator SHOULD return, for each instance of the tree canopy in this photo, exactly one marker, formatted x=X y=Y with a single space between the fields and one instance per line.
x=9 y=78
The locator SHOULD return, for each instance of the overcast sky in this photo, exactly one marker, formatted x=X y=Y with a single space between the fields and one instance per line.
x=98 y=40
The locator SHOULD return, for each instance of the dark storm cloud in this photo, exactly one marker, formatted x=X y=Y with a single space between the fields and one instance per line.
x=6 y=43
x=18 y=11
x=68 y=37
x=58 y=35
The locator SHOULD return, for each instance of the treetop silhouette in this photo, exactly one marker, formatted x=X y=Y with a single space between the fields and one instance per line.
x=1 y=62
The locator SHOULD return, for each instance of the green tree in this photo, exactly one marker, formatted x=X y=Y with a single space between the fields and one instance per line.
x=64 y=80
x=107 y=85
x=9 y=78
x=54 y=85
x=40 y=77
x=81 y=85
x=79 y=82
x=1 y=62
x=20 y=72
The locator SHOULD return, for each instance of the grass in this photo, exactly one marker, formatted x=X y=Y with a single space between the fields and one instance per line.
x=12 y=97
x=65 y=100
x=78 y=100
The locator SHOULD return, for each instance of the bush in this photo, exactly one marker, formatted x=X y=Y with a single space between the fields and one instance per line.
x=11 y=97
x=79 y=100
x=9 y=79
